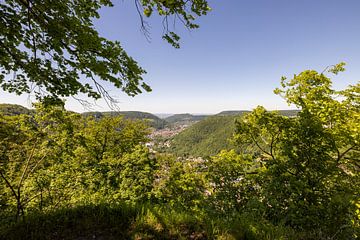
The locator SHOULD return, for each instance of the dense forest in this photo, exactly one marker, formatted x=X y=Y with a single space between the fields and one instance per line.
x=205 y=138
x=150 y=119
x=70 y=176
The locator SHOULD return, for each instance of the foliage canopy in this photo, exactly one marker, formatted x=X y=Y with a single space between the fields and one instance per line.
x=292 y=177
x=311 y=161
x=47 y=46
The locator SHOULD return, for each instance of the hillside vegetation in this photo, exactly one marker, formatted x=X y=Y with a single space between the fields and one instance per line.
x=151 y=119
x=184 y=118
x=289 y=113
x=14 y=109
x=67 y=176
x=212 y=134
x=205 y=138
x=232 y=112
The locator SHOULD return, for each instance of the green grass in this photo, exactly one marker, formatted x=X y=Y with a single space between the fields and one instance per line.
x=83 y=222
x=143 y=222
x=107 y=222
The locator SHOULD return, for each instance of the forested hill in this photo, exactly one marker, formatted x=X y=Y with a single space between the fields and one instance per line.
x=14 y=109
x=288 y=113
x=205 y=138
x=153 y=120
x=232 y=112
x=185 y=117
x=212 y=134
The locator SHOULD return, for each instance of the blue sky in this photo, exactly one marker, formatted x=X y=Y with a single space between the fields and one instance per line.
x=236 y=58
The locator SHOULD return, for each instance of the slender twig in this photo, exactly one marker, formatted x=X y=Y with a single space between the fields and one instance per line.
x=27 y=165
x=144 y=24
x=345 y=152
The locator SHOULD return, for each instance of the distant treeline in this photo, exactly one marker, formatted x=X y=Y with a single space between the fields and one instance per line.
x=153 y=120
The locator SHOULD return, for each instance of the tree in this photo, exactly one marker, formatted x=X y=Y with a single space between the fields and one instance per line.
x=180 y=183
x=312 y=160
x=56 y=159
x=47 y=45
x=136 y=176
x=29 y=145
x=227 y=173
x=111 y=161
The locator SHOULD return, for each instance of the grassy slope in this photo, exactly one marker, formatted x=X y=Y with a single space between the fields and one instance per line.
x=139 y=222
x=104 y=222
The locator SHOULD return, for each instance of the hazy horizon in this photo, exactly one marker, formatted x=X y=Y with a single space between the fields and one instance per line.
x=166 y=114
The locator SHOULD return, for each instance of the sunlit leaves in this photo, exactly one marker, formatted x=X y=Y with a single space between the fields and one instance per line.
x=51 y=48
x=311 y=160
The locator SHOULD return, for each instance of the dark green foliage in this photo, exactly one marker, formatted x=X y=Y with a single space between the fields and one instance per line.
x=50 y=45
x=231 y=187
x=145 y=221
x=109 y=222
x=149 y=118
x=184 y=118
x=180 y=183
x=105 y=222
x=205 y=138
x=13 y=109
x=81 y=222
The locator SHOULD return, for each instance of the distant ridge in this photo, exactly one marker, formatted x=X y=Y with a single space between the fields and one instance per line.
x=240 y=112
x=153 y=120
x=232 y=112
x=163 y=115
x=184 y=117
x=14 y=109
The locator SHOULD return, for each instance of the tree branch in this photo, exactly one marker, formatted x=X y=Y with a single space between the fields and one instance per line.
x=9 y=185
